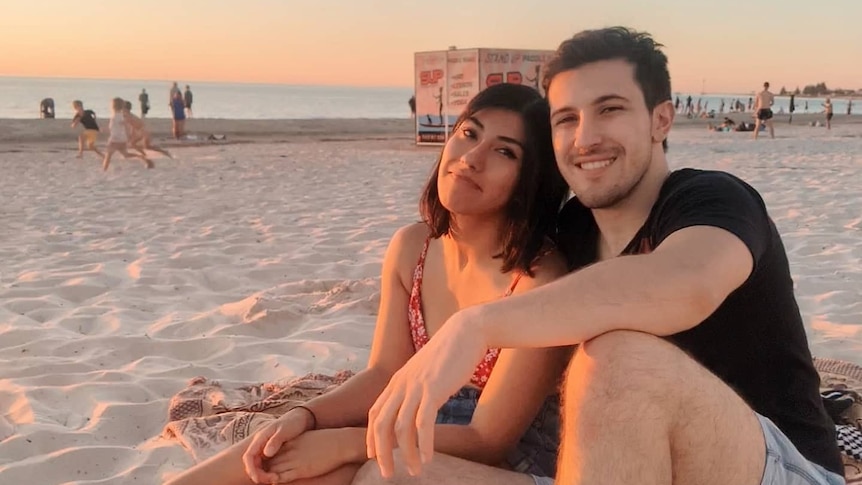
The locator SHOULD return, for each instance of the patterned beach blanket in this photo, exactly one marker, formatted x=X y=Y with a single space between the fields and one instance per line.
x=207 y=417
x=841 y=388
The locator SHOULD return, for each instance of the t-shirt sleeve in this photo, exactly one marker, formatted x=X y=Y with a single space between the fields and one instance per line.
x=717 y=200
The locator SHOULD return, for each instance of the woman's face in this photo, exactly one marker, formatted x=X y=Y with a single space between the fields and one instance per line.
x=481 y=163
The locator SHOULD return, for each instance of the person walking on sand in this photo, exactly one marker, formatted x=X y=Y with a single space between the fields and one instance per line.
x=87 y=119
x=763 y=110
x=119 y=136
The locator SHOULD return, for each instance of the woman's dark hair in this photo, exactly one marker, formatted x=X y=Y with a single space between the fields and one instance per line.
x=638 y=48
x=538 y=194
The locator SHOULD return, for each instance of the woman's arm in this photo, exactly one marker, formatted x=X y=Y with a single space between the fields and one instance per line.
x=522 y=379
x=391 y=348
x=392 y=345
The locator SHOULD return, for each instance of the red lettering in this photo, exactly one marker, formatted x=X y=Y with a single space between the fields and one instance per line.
x=430 y=77
x=513 y=77
x=493 y=78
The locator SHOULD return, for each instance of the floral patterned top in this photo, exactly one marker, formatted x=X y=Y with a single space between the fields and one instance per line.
x=420 y=333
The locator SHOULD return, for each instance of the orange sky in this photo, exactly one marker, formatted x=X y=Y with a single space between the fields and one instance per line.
x=728 y=44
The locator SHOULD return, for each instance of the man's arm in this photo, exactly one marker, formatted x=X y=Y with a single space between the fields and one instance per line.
x=670 y=290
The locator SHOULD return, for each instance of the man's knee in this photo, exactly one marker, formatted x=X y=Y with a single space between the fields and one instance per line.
x=623 y=359
x=368 y=474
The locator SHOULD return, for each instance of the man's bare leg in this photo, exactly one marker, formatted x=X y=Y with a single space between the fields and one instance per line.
x=639 y=410
x=443 y=470
x=771 y=129
x=757 y=124
x=226 y=468
x=80 y=146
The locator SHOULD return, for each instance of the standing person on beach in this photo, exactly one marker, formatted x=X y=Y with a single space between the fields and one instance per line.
x=187 y=100
x=88 y=137
x=489 y=210
x=849 y=106
x=144 y=99
x=692 y=365
x=178 y=115
x=763 y=110
x=118 y=137
x=827 y=107
x=792 y=108
x=174 y=90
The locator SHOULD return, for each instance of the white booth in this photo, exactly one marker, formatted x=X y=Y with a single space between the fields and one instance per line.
x=445 y=81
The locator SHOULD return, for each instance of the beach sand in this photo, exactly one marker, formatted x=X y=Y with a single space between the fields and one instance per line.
x=259 y=260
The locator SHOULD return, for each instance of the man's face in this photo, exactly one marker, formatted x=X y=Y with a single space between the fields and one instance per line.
x=602 y=131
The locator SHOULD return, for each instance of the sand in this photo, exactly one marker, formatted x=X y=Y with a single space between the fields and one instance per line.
x=259 y=260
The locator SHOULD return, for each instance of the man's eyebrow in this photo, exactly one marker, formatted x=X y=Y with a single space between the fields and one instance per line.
x=601 y=99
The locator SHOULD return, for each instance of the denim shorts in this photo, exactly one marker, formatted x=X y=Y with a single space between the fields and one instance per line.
x=536 y=451
x=785 y=465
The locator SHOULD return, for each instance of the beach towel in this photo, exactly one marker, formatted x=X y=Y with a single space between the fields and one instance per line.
x=207 y=417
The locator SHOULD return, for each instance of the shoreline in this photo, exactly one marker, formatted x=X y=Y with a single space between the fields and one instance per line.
x=38 y=134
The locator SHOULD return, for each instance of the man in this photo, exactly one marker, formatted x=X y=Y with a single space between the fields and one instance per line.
x=763 y=110
x=187 y=100
x=144 y=99
x=693 y=364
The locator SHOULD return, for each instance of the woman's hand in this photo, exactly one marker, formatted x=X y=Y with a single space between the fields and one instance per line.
x=269 y=440
x=316 y=453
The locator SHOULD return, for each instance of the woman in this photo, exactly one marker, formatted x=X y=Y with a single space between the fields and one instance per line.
x=488 y=212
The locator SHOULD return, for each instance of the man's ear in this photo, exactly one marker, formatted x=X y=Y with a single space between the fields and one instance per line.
x=662 y=120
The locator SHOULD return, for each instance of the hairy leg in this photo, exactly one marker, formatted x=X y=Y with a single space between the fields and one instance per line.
x=639 y=410
x=443 y=470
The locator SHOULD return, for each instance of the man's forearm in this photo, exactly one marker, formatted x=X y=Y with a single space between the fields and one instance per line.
x=641 y=293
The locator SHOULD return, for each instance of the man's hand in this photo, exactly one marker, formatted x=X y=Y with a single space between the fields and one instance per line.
x=405 y=413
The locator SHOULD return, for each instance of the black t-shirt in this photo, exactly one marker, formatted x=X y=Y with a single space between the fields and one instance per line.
x=755 y=341
x=88 y=119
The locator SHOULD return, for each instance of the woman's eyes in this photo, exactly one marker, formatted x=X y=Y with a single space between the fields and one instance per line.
x=508 y=153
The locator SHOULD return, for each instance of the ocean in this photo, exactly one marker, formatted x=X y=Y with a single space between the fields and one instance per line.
x=20 y=97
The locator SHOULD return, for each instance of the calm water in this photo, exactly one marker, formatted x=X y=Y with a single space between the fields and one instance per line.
x=20 y=97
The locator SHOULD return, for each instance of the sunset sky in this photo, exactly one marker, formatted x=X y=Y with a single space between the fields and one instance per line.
x=733 y=45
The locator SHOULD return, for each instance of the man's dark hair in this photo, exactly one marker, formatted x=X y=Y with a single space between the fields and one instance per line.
x=638 y=48
x=539 y=192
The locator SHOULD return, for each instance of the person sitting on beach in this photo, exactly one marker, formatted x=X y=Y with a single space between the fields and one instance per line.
x=726 y=125
x=763 y=111
x=139 y=137
x=88 y=137
x=488 y=212
x=118 y=138
x=693 y=365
